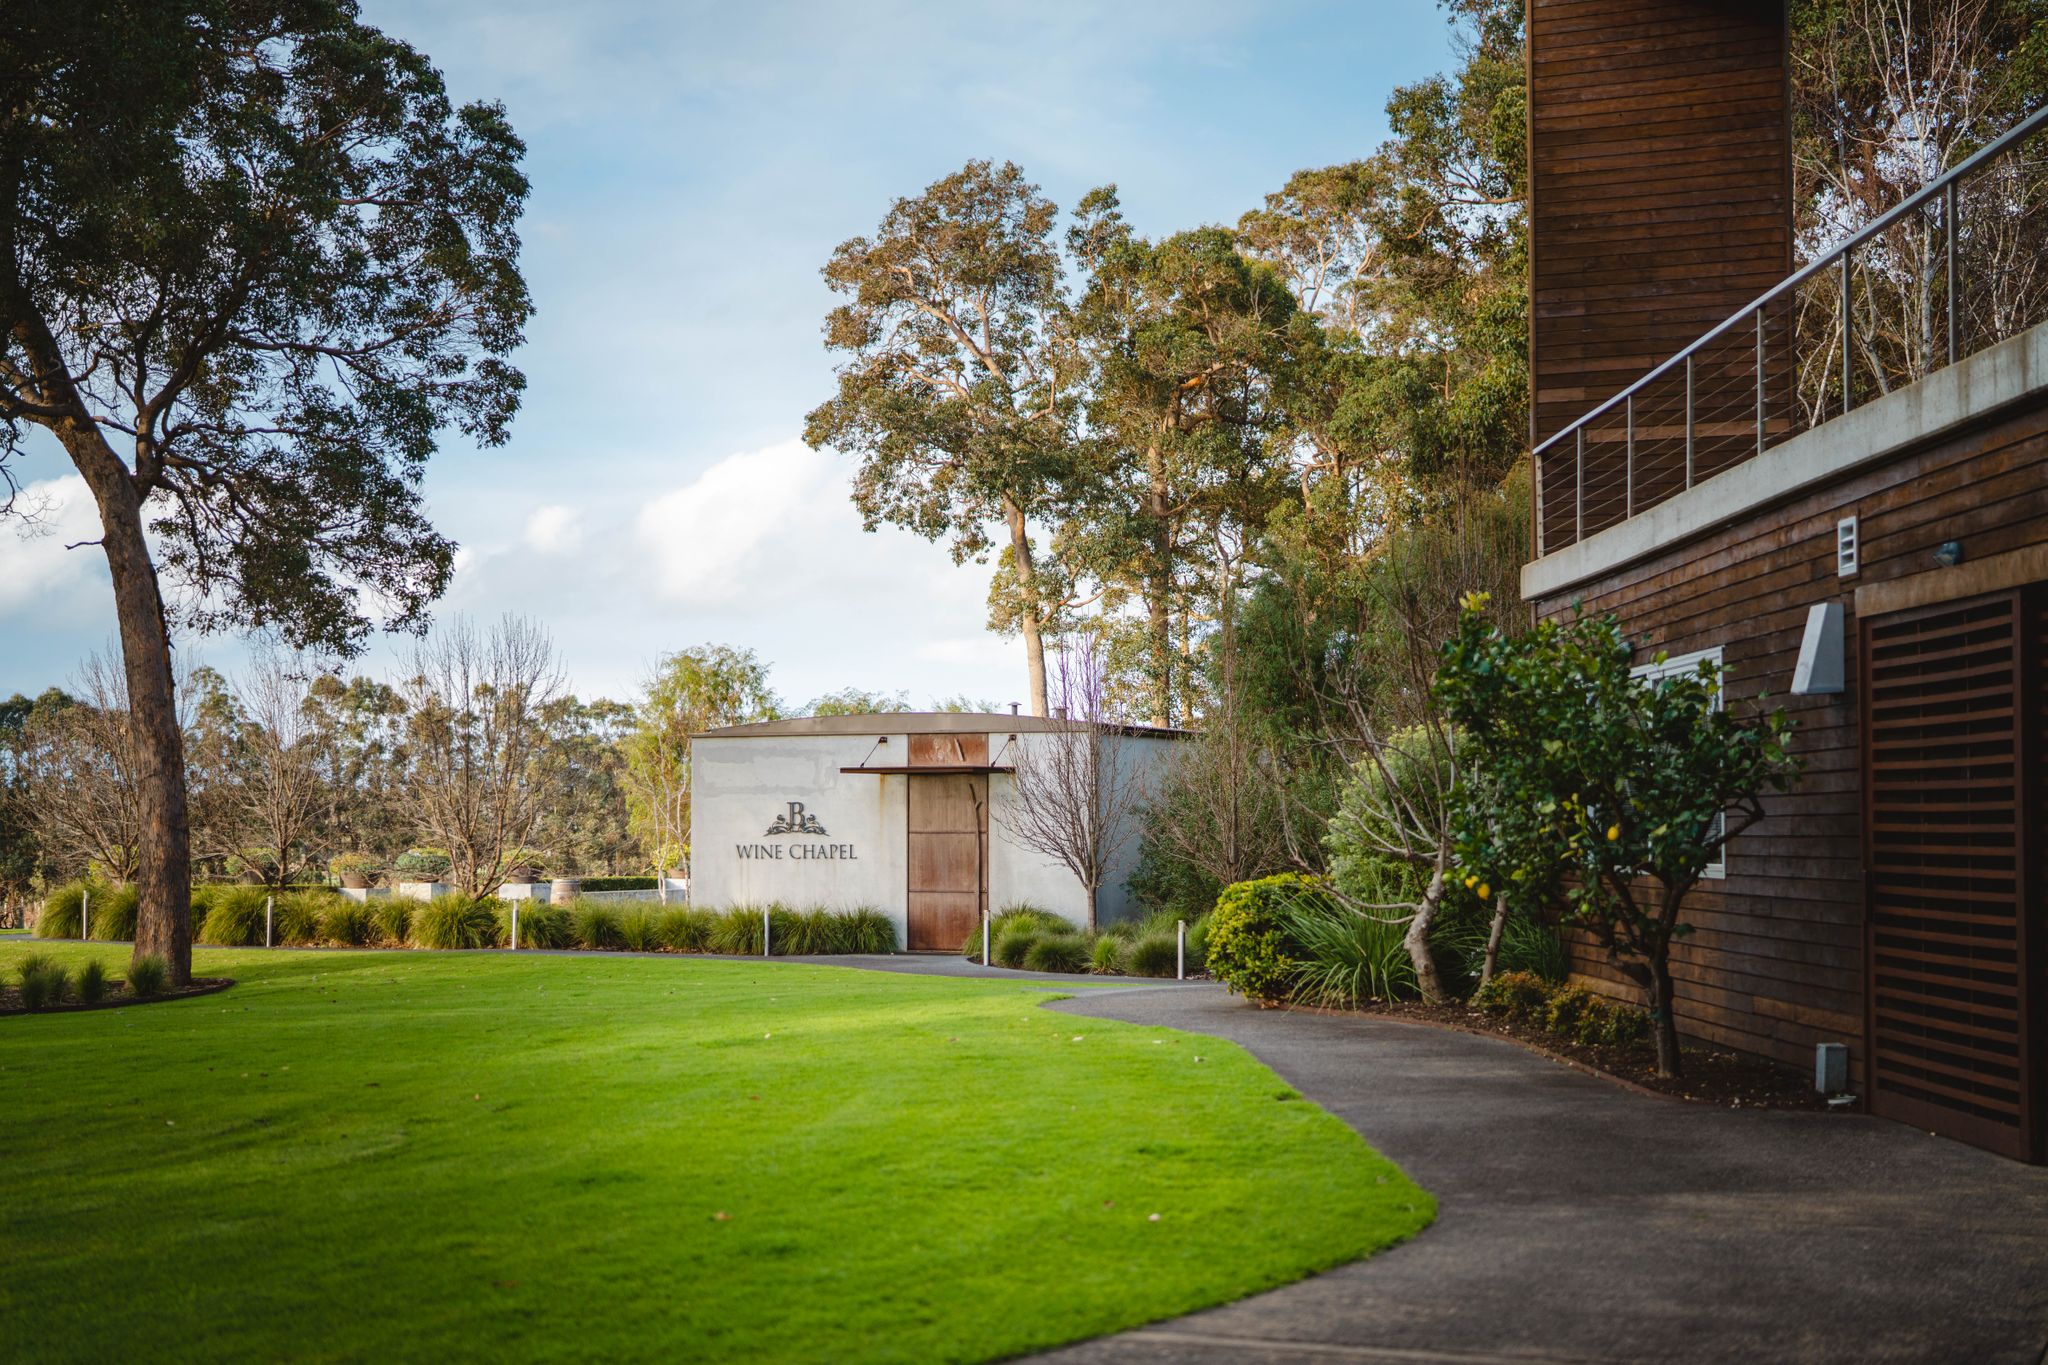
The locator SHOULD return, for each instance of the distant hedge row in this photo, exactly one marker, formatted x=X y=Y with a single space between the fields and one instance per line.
x=233 y=916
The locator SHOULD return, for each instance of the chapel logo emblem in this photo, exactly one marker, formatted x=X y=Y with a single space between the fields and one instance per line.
x=796 y=820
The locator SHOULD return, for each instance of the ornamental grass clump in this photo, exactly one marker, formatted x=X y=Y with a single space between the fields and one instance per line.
x=146 y=976
x=298 y=917
x=596 y=925
x=1013 y=943
x=868 y=930
x=1106 y=958
x=541 y=925
x=456 y=921
x=639 y=931
x=110 y=915
x=1058 y=952
x=42 y=981
x=1152 y=954
x=738 y=931
x=347 y=923
x=234 y=917
x=682 y=929
x=92 y=983
x=1346 y=957
x=392 y=919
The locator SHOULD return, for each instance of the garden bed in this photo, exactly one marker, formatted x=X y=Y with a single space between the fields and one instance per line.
x=117 y=997
x=1712 y=1076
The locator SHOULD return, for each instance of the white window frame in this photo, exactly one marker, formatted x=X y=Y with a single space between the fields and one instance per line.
x=1685 y=664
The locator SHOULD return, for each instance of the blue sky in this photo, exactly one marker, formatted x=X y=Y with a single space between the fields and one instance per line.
x=693 y=166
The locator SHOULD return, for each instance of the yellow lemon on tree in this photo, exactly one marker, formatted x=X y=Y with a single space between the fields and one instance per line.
x=1613 y=833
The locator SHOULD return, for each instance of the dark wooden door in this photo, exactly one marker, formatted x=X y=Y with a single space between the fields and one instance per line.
x=948 y=864
x=1952 y=706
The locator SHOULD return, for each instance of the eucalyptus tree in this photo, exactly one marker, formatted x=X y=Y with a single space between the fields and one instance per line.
x=1189 y=341
x=252 y=261
x=691 y=691
x=958 y=385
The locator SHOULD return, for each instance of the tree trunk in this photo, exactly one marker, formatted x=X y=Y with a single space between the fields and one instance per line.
x=1416 y=940
x=163 y=925
x=1159 y=590
x=1663 y=1021
x=1032 y=613
x=1491 y=964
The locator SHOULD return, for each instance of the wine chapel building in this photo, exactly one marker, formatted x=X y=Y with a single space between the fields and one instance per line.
x=1831 y=476
x=913 y=813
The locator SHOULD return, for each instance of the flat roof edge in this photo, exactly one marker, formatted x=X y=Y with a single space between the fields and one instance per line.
x=926 y=723
x=1951 y=398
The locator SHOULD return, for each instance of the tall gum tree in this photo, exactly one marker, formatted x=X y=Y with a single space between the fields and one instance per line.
x=252 y=262
x=958 y=386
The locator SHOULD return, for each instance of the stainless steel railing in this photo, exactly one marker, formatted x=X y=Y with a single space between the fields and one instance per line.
x=1957 y=266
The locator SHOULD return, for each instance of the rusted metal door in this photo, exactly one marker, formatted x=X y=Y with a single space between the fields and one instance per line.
x=1953 y=713
x=948 y=864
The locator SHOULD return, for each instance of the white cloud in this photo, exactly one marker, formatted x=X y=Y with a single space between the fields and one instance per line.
x=554 y=529
x=39 y=577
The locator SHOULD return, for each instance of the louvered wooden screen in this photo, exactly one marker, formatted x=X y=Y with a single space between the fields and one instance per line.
x=1951 y=706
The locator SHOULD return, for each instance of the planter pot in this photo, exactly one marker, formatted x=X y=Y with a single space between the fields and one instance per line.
x=563 y=890
x=524 y=872
x=355 y=881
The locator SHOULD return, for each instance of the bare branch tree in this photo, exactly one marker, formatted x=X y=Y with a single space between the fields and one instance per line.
x=476 y=729
x=81 y=767
x=281 y=792
x=1078 y=790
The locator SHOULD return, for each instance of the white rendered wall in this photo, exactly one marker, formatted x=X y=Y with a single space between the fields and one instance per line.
x=740 y=784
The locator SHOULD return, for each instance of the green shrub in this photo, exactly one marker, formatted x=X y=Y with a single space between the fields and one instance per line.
x=299 y=916
x=456 y=921
x=1013 y=943
x=1248 y=939
x=682 y=929
x=1346 y=957
x=347 y=922
x=1610 y=1023
x=421 y=864
x=92 y=982
x=392 y=918
x=1106 y=958
x=596 y=925
x=737 y=931
x=146 y=976
x=868 y=930
x=1568 y=1004
x=619 y=883
x=1058 y=952
x=639 y=931
x=1155 y=954
x=1516 y=997
x=234 y=918
x=43 y=981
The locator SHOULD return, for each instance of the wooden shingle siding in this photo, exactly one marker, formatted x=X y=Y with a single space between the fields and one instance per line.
x=1776 y=961
x=1660 y=204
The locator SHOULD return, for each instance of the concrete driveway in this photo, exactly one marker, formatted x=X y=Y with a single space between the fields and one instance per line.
x=1579 y=1221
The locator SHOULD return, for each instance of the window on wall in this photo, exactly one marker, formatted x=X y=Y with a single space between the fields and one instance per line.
x=1673 y=666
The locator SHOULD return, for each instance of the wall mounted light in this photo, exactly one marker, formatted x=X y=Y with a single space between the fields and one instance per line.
x=1949 y=554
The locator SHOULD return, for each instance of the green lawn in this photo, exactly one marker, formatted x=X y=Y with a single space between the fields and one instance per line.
x=360 y=1156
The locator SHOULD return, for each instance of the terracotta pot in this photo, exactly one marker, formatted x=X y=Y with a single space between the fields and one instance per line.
x=355 y=881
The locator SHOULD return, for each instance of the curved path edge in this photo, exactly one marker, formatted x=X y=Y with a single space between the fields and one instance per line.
x=1578 y=1221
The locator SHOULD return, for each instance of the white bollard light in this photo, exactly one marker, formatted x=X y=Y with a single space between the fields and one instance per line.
x=269 y=910
x=84 y=914
x=515 y=926
x=984 y=938
x=1180 y=950
x=764 y=931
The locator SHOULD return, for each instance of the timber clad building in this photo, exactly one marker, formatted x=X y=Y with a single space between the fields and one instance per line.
x=1735 y=459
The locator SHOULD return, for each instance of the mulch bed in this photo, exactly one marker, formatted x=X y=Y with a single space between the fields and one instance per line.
x=1729 y=1079
x=116 y=997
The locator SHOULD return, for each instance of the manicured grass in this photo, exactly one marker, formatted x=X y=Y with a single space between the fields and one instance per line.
x=385 y=1156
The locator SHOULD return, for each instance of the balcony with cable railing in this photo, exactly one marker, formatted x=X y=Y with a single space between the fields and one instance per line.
x=1952 y=270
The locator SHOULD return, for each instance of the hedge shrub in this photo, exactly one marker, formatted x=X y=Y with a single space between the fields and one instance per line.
x=1247 y=942
x=619 y=883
